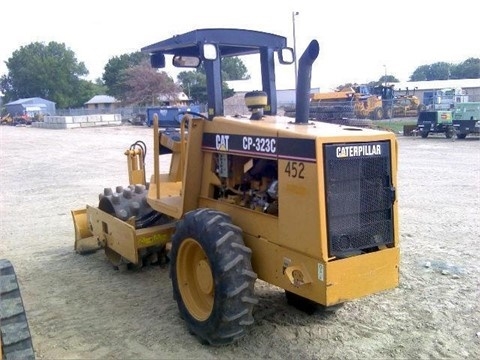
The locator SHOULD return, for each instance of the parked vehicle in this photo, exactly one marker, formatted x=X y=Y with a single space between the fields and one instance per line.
x=466 y=119
x=169 y=116
x=438 y=121
x=309 y=207
x=350 y=102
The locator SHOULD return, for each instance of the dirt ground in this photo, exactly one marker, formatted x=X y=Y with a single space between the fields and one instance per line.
x=79 y=307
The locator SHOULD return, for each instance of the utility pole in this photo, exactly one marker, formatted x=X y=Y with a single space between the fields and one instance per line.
x=385 y=77
x=295 y=13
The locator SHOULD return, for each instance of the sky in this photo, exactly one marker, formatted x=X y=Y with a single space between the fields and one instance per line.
x=360 y=41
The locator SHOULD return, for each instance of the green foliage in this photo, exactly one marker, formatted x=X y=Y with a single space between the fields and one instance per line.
x=389 y=79
x=226 y=91
x=440 y=70
x=50 y=71
x=421 y=73
x=99 y=86
x=198 y=93
x=233 y=68
x=86 y=90
x=113 y=75
x=194 y=83
x=469 y=69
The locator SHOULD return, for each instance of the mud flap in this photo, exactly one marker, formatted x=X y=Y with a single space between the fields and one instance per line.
x=85 y=242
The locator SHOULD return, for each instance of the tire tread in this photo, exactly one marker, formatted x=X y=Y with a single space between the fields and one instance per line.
x=16 y=339
x=230 y=261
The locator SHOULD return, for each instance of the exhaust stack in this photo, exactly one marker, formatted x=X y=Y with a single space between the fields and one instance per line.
x=302 y=100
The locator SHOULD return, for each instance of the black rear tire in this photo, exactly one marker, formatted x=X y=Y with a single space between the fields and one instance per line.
x=16 y=340
x=305 y=305
x=388 y=113
x=212 y=277
x=308 y=306
x=449 y=133
x=378 y=114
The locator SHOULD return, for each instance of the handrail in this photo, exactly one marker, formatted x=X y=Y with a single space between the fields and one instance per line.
x=156 y=154
x=182 y=144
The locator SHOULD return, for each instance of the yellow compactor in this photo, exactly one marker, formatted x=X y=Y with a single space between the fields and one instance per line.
x=307 y=206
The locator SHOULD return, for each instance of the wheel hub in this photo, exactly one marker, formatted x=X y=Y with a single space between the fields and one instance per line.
x=204 y=277
x=195 y=279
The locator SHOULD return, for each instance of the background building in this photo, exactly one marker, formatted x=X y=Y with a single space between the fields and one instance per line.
x=102 y=102
x=30 y=107
x=469 y=87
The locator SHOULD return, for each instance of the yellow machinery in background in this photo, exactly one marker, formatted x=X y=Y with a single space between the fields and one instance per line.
x=6 y=120
x=309 y=207
x=350 y=102
x=407 y=106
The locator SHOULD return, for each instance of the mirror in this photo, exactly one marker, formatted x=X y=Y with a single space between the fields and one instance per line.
x=186 y=61
x=286 y=56
x=157 y=61
x=209 y=52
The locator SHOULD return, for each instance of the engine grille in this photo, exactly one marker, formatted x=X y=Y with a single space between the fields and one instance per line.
x=360 y=196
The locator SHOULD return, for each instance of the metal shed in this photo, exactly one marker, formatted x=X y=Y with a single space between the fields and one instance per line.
x=30 y=107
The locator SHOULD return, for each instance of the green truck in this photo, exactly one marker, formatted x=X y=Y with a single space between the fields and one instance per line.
x=466 y=119
x=438 y=121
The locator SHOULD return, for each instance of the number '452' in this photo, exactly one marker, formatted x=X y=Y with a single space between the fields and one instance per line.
x=295 y=169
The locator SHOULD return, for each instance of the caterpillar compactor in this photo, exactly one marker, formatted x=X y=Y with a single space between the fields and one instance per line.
x=306 y=206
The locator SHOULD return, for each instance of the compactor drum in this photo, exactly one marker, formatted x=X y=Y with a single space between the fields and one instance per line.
x=309 y=207
x=130 y=202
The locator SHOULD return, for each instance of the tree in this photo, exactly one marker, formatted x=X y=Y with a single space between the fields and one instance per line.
x=421 y=73
x=87 y=89
x=445 y=71
x=144 y=85
x=114 y=72
x=387 y=79
x=440 y=71
x=469 y=69
x=233 y=68
x=194 y=83
x=50 y=71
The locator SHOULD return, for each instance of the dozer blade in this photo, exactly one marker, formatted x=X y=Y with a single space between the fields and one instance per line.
x=85 y=242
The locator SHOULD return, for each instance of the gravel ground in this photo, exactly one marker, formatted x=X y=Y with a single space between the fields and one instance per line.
x=80 y=308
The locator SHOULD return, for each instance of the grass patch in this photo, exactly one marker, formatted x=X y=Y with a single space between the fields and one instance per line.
x=395 y=125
